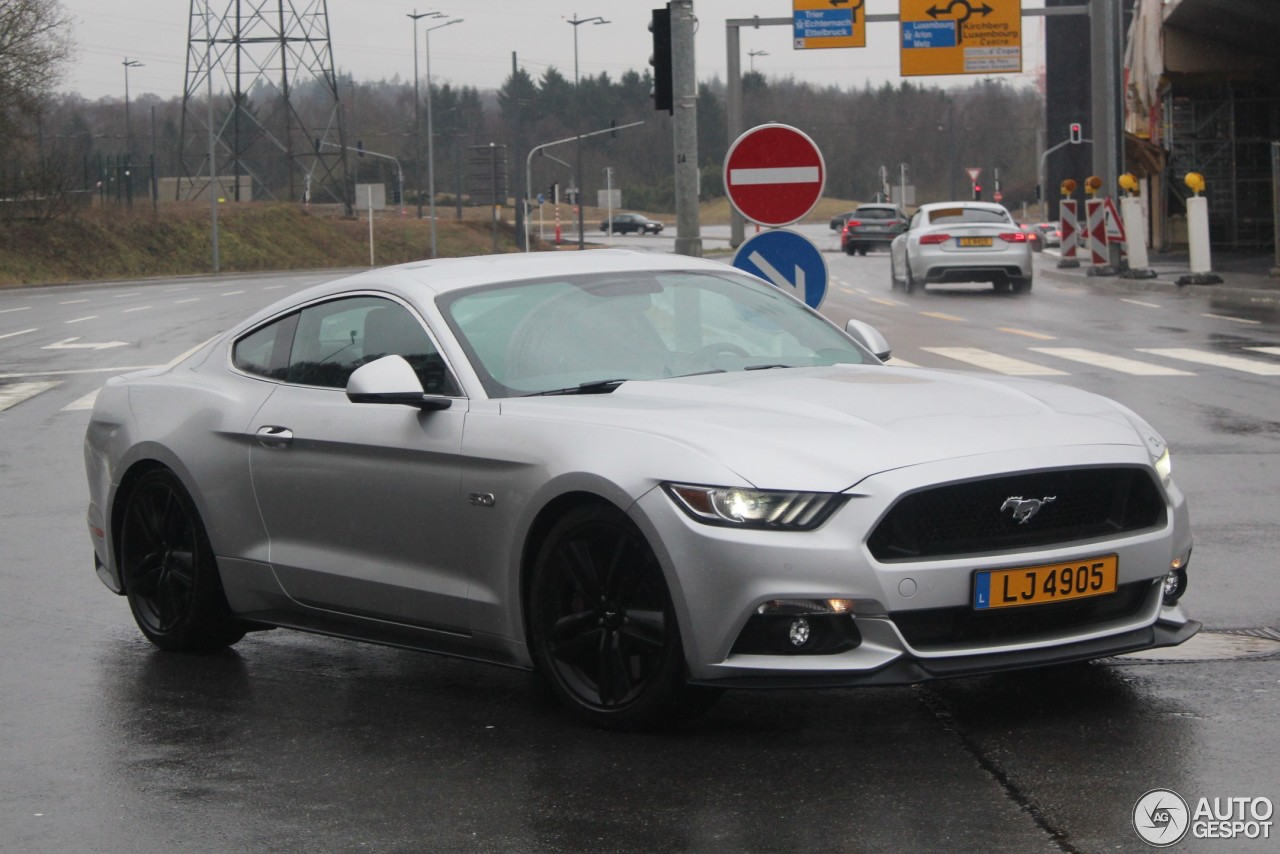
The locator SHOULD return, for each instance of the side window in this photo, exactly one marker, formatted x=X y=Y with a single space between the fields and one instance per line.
x=265 y=351
x=335 y=338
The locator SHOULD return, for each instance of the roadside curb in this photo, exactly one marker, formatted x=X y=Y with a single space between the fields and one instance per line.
x=1218 y=293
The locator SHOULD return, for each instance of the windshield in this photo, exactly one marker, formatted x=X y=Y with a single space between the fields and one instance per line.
x=553 y=334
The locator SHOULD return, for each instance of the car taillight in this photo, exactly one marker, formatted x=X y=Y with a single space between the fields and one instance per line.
x=1014 y=237
x=853 y=223
x=930 y=239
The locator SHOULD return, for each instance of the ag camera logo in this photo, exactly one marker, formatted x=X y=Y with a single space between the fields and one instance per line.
x=1160 y=817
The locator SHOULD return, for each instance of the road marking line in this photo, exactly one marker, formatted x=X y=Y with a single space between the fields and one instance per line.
x=190 y=299
x=1217 y=360
x=122 y=296
x=176 y=359
x=883 y=301
x=85 y=402
x=18 y=392
x=1114 y=363
x=995 y=362
x=1140 y=302
x=231 y=293
x=72 y=301
x=19 y=332
x=124 y=370
x=9 y=310
x=940 y=316
x=1039 y=336
x=274 y=287
x=173 y=290
x=81 y=319
x=1271 y=351
x=139 y=308
x=901 y=363
x=1233 y=319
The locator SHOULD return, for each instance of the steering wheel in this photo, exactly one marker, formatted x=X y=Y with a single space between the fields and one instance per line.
x=719 y=348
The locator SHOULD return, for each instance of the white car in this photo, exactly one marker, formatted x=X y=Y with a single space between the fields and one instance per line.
x=961 y=242
x=645 y=476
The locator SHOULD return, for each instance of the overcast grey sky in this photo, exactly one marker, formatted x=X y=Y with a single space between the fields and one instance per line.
x=373 y=40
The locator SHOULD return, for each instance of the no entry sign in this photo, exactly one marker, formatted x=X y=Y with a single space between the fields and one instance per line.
x=774 y=174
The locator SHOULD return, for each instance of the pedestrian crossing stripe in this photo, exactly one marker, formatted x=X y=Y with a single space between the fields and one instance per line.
x=12 y=395
x=1270 y=351
x=85 y=402
x=1114 y=363
x=995 y=362
x=1217 y=360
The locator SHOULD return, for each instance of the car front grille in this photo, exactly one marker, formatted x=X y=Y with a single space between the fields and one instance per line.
x=979 y=516
x=938 y=627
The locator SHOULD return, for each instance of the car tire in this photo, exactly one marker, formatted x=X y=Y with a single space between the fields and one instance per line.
x=169 y=570
x=894 y=284
x=1001 y=286
x=602 y=626
x=909 y=281
x=862 y=250
x=850 y=250
x=1022 y=286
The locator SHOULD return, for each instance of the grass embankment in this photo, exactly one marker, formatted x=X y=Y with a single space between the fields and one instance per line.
x=115 y=244
x=119 y=243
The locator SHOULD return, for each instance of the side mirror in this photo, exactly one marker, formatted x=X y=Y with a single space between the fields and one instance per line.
x=868 y=336
x=391 y=380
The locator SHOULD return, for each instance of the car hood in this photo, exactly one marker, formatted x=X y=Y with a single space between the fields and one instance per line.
x=829 y=428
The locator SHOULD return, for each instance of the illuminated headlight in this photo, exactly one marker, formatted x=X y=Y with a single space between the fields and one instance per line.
x=1164 y=467
x=735 y=507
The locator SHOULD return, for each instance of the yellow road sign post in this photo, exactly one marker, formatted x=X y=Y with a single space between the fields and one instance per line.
x=828 y=23
x=960 y=36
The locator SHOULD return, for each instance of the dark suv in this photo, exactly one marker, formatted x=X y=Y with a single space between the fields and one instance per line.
x=872 y=225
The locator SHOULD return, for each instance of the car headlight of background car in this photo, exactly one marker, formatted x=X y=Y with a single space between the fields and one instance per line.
x=737 y=507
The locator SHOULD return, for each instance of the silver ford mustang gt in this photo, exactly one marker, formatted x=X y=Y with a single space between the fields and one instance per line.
x=647 y=477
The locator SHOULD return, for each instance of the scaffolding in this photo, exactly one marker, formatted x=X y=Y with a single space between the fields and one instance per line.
x=276 y=117
x=1224 y=130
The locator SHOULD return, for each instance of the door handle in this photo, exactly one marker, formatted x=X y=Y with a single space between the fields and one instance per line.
x=274 y=437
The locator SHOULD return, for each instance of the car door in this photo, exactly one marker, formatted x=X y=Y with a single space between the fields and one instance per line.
x=361 y=501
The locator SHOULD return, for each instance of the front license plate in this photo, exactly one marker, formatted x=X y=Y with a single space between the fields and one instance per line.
x=974 y=241
x=1052 y=582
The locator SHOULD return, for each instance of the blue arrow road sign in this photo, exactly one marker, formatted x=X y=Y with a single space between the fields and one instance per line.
x=789 y=261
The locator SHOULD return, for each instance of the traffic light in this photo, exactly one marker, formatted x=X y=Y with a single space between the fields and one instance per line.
x=553 y=193
x=660 y=26
x=360 y=147
x=977 y=191
x=1076 y=135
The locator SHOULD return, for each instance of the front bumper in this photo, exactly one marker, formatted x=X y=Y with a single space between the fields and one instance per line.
x=719 y=578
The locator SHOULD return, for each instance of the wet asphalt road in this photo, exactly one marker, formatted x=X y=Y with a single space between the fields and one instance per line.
x=294 y=742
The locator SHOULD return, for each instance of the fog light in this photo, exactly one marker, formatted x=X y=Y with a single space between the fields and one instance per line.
x=799 y=632
x=1175 y=584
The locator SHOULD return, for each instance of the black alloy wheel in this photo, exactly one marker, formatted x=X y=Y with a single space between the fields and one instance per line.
x=1022 y=286
x=602 y=626
x=909 y=281
x=170 y=573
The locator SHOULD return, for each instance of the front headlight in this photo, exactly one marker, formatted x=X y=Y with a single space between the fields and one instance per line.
x=1164 y=467
x=736 y=507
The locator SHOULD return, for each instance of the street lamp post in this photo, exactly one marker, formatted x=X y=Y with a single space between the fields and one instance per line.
x=577 y=22
x=128 y=129
x=753 y=54
x=431 y=160
x=417 y=109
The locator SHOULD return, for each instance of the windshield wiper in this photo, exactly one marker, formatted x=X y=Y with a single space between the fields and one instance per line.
x=593 y=387
x=766 y=367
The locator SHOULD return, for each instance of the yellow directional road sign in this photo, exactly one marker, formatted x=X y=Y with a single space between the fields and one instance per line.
x=828 y=23
x=960 y=36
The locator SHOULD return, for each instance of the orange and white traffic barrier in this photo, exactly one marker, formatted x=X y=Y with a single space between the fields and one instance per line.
x=1067 y=220
x=1096 y=231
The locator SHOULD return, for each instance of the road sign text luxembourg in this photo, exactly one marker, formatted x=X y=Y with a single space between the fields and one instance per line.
x=828 y=23
x=960 y=36
x=774 y=174
x=789 y=261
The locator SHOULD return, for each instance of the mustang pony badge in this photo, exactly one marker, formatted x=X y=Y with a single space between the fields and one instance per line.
x=1025 y=508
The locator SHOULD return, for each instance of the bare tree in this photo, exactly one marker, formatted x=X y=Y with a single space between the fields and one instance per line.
x=35 y=42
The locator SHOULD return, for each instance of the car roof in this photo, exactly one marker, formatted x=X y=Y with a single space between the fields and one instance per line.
x=449 y=274
x=982 y=206
x=884 y=205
